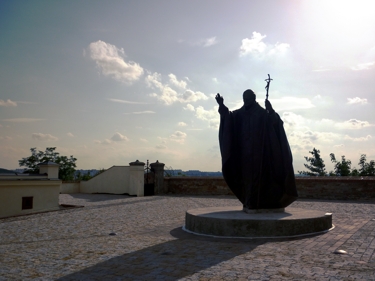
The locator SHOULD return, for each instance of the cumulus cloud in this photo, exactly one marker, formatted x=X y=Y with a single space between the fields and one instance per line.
x=143 y=140
x=43 y=137
x=173 y=90
x=7 y=103
x=70 y=135
x=111 y=62
x=356 y=100
x=118 y=137
x=182 y=124
x=289 y=103
x=161 y=146
x=360 y=139
x=363 y=66
x=212 y=116
x=189 y=107
x=178 y=136
x=105 y=142
x=292 y=119
x=353 y=124
x=256 y=47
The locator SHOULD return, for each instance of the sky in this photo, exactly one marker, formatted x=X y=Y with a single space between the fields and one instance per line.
x=111 y=82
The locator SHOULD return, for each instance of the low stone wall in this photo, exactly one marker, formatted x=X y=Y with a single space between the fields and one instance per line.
x=197 y=186
x=68 y=187
x=340 y=188
x=333 y=188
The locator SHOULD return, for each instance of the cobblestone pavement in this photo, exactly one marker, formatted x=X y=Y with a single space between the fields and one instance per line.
x=75 y=244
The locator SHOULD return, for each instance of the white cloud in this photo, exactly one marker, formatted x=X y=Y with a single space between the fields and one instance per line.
x=178 y=136
x=43 y=137
x=182 y=124
x=206 y=42
x=366 y=138
x=339 y=145
x=161 y=146
x=126 y=101
x=23 y=120
x=189 y=107
x=173 y=91
x=70 y=135
x=191 y=96
x=163 y=140
x=210 y=42
x=118 y=137
x=356 y=100
x=7 y=103
x=110 y=60
x=141 y=112
x=174 y=81
x=255 y=46
x=212 y=116
x=143 y=140
x=289 y=103
x=363 y=66
x=353 y=124
x=105 y=142
x=292 y=119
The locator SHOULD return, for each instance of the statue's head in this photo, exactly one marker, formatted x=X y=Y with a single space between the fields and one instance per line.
x=248 y=97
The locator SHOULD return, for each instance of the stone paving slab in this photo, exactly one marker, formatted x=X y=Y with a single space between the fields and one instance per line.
x=75 y=244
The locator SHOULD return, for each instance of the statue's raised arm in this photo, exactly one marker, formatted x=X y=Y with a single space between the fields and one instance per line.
x=219 y=99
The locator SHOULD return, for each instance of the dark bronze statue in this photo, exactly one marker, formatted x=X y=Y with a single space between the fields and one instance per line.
x=256 y=157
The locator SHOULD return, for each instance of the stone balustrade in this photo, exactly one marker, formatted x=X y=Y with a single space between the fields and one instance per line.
x=332 y=188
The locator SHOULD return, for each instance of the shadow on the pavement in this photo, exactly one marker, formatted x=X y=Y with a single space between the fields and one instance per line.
x=166 y=261
x=98 y=206
x=172 y=260
x=98 y=197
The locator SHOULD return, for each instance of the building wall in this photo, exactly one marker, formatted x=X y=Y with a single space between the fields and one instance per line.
x=45 y=195
x=115 y=180
x=69 y=187
x=339 y=188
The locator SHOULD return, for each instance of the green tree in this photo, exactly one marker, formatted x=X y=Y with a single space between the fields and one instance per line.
x=366 y=169
x=316 y=164
x=67 y=164
x=342 y=168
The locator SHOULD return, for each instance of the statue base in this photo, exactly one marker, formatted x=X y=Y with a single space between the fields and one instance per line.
x=263 y=211
x=233 y=222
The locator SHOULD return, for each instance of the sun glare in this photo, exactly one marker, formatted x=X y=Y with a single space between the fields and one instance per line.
x=348 y=14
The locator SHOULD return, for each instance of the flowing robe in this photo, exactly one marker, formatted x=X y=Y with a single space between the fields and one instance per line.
x=256 y=157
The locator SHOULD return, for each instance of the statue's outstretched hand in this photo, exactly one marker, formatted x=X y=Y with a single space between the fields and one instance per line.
x=268 y=106
x=219 y=99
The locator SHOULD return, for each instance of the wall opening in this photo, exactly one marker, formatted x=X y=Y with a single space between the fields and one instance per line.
x=27 y=203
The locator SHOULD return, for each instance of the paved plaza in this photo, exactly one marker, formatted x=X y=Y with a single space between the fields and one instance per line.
x=75 y=244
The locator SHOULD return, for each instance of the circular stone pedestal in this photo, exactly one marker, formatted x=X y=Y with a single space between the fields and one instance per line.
x=233 y=222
